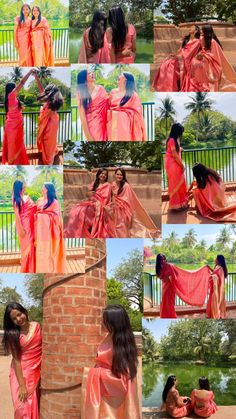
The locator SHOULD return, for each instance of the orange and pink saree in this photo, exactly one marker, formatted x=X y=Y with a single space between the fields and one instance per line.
x=42 y=48
x=30 y=362
x=96 y=114
x=92 y=218
x=190 y=286
x=205 y=406
x=22 y=40
x=26 y=218
x=209 y=71
x=50 y=248
x=106 y=396
x=13 y=149
x=175 y=405
x=177 y=188
x=125 y=123
x=87 y=56
x=216 y=305
x=47 y=134
x=214 y=203
x=127 y=48
x=131 y=219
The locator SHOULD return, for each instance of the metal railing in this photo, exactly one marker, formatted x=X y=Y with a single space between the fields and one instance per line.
x=9 y=240
x=30 y=119
x=9 y=54
x=148 y=114
x=222 y=159
x=153 y=289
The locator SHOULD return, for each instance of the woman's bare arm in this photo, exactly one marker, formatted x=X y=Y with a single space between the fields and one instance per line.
x=23 y=393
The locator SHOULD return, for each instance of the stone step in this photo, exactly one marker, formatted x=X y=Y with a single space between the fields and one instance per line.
x=86 y=178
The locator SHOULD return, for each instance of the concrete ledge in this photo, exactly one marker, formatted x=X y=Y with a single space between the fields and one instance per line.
x=224 y=412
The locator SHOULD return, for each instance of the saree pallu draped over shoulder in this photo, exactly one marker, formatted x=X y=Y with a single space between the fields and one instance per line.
x=102 y=56
x=96 y=114
x=30 y=363
x=216 y=305
x=94 y=217
x=50 y=248
x=26 y=214
x=22 y=35
x=42 y=48
x=13 y=149
x=125 y=123
x=47 y=134
x=106 y=396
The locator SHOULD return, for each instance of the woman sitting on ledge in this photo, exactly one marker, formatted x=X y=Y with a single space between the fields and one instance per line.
x=174 y=404
x=202 y=399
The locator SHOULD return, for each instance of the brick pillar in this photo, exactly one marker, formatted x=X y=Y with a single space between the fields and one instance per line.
x=71 y=333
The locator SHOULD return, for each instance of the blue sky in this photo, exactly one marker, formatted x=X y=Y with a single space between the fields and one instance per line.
x=223 y=102
x=31 y=172
x=61 y=73
x=205 y=232
x=118 y=249
x=157 y=327
x=15 y=280
x=145 y=68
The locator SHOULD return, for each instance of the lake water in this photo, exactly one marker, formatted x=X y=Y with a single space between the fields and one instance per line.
x=222 y=381
x=144 y=52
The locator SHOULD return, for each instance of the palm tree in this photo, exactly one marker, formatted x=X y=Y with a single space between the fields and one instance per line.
x=190 y=238
x=19 y=172
x=224 y=238
x=206 y=128
x=171 y=241
x=200 y=103
x=47 y=171
x=16 y=74
x=167 y=111
x=44 y=74
x=97 y=69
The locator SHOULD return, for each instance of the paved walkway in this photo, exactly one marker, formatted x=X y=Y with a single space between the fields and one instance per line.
x=224 y=412
x=6 y=408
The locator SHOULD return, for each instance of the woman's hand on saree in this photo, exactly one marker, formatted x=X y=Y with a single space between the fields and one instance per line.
x=23 y=393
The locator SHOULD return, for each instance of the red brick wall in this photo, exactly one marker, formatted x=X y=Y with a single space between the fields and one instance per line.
x=71 y=333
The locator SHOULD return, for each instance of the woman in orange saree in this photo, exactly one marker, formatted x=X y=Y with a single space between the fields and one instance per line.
x=22 y=339
x=95 y=48
x=22 y=37
x=121 y=37
x=48 y=121
x=209 y=194
x=209 y=70
x=202 y=399
x=174 y=167
x=190 y=286
x=24 y=209
x=109 y=390
x=41 y=40
x=92 y=102
x=175 y=405
x=13 y=148
x=125 y=120
x=169 y=77
x=93 y=218
x=50 y=248
x=216 y=306
x=131 y=219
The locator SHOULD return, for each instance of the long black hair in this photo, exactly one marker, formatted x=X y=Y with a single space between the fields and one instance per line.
x=129 y=88
x=204 y=174
x=204 y=383
x=52 y=96
x=124 y=180
x=82 y=85
x=208 y=35
x=186 y=39
x=97 y=31
x=17 y=189
x=116 y=19
x=176 y=131
x=22 y=17
x=222 y=263
x=40 y=15
x=10 y=341
x=125 y=354
x=97 y=181
x=51 y=194
x=8 y=89
x=169 y=384
x=159 y=261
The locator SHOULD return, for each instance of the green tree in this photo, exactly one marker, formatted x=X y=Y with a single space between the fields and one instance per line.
x=16 y=74
x=180 y=11
x=167 y=112
x=190 y=238
x=200 y=103
x=19 y=172
x=150 y=347
x=224 y=238
x=44 y=74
